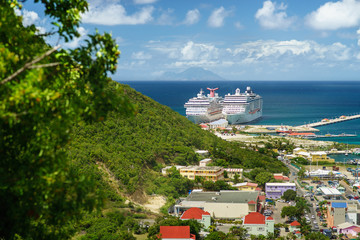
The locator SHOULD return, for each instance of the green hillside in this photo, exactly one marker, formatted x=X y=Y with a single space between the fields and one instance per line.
x=134 y=149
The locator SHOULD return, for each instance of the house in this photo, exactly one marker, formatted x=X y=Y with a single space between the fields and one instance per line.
x=335 y=213
x=205 y=162
x=221 y=123
x=209 y=173
x=176 y=233
x=199 y=215
x=276 y=190
x=231 y=172
x=349 y=229
x=245 y=186
x=257 y=224
x=294 y=226
x=281 y=177
x=320 y=156
x=226 y=204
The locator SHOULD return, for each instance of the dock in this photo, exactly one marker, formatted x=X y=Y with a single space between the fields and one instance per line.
x=331 y=121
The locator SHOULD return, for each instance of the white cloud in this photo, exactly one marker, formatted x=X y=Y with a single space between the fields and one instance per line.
x=272 y=16
x=115 y=14
x=200 y=51
x=76 y=41
x=271 y=50
x=29 y=17
x=166 y=17
x=238 y=25
x=335 y=15
x=217 y=17
x=144 y=1
x=192 y=17
x=141 y=56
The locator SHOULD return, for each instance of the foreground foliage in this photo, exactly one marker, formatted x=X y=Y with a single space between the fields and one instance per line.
x=44 y=91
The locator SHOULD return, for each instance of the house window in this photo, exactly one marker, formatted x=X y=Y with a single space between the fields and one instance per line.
x=261 y=229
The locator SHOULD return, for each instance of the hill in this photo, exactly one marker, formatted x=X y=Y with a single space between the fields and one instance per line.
x=193 y=73
x=125 y=154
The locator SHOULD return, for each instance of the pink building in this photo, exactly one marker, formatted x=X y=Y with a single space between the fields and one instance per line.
x=350 y=230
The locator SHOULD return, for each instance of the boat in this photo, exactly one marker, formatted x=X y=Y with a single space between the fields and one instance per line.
x=204 y=109
x=241 y=108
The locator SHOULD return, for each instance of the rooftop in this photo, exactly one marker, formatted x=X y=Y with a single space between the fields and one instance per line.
x=220 y=121
x=245 y=184
x=280 y=184
x=295 y=223
x=254 y=218
x=175 y=232
x=194 y=213
x=339 y=205
x=199 y=168
x=329 y=191
x=233 y=169
x=226 y=196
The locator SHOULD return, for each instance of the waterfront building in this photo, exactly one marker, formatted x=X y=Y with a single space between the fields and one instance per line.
x=257 y=224
x=226 y=204
x=199 y=215
x=213 y=173
x=276 y=190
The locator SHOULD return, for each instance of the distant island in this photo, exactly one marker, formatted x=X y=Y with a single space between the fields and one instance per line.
x=193 y=73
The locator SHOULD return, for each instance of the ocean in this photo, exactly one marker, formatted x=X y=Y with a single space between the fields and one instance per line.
x=284 y=102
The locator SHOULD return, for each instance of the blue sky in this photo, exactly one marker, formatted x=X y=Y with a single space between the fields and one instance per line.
x=236 y=39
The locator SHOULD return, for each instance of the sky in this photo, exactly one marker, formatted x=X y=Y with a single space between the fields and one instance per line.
x=236 y=39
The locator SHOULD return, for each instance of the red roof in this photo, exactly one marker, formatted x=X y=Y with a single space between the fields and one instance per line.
x=251 y=184
x=298 y=232
x=269 y=218
x=252 y=202
x=194 y=213
x=175 y=232
x=284 y=178
x=257 y=189
x=295 y=223
x=262 y=198
x=254 y=218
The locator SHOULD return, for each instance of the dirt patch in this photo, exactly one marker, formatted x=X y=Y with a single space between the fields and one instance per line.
x=154 y=203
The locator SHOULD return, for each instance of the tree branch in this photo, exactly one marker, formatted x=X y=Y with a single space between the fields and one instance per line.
x=29 y=65
x=45 y=65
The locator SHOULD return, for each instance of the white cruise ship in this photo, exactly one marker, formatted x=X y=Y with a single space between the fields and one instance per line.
x=201 y=109
x=242 y=107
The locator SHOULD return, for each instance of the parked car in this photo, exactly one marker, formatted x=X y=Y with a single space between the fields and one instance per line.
x=287 y=229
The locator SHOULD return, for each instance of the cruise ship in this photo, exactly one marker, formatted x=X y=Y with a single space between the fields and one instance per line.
x=242 y=107
x=201 y=109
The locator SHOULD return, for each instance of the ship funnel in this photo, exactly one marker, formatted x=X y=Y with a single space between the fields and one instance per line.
x=237 y=91
x=212 y=91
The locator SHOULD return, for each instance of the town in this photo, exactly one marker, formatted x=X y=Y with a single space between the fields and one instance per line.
x=316 y=196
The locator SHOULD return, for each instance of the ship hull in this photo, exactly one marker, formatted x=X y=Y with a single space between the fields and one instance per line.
x=197 y=119
x=240 y=118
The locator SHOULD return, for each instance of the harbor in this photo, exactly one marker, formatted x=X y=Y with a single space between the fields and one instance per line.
x=327 y=121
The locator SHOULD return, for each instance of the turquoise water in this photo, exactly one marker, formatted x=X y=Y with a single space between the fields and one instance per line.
x=288 y=103
x=342 y=158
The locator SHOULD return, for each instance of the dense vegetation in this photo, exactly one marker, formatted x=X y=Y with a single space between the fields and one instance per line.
x=135 y=148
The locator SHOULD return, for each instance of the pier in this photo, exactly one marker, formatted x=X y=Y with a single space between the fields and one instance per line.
x=331 y=121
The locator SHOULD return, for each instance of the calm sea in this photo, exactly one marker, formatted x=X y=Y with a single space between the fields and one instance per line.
x=288 y=103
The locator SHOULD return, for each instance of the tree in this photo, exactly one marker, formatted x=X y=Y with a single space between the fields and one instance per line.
x=301 y=173
x=264 y=177
x=289 y=195
x=44 y=92
x=316 y=235
x=216 y=236
x=239 y=232
x=289 y=211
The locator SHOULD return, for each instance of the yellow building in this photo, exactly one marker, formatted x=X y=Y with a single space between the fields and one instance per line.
x=320 y=156
x=246 y=186
x=209 y=173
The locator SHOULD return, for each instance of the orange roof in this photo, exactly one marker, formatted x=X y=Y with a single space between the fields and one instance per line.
x=175 y=232
x=295 y=223
x=301 y=134
x=252 y=202
x=269 y=218
x=254 y=218
x=257 y=189
x=298 y=232
x=194 y=213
